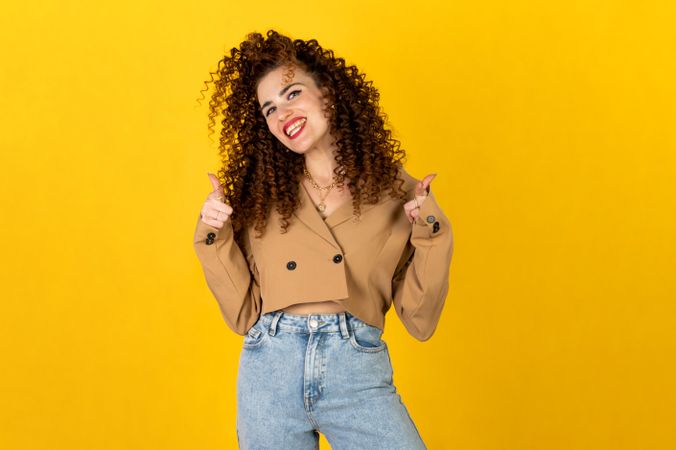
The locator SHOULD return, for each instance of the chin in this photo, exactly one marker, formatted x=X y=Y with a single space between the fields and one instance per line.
x=295 y=150
x=300 y=150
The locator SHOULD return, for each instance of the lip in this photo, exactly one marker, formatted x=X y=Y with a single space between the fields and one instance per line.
x=300 y=130
x=291 y=122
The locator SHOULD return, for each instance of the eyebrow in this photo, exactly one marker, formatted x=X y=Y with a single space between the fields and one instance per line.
x=286 y=88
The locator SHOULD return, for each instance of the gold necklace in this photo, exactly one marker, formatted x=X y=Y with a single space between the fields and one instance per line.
x=322 y=206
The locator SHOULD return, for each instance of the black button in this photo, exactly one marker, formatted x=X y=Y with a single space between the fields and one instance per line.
x=211 y=235
x=435 y=228
x=337 y=258
x=291 y=265
x=210 y=241
x=431 y=219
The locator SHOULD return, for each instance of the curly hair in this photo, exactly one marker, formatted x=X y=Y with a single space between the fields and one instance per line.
x=258 y=170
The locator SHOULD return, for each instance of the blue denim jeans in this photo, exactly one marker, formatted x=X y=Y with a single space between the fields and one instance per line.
x=330 y=373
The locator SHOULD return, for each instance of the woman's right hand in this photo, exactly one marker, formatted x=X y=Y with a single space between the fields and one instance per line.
x=214 y=211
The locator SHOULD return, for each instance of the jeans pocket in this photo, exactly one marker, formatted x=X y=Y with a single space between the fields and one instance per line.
x=256 y=336
x=367 y=339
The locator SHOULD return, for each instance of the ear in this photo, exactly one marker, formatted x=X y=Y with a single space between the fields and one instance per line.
x=326 y=100
x=325 y=94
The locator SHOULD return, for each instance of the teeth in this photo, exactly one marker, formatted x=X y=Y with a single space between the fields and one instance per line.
x=295 y=126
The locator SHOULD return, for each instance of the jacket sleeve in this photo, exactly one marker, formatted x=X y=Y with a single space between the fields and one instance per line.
x=231 y=274
x=420 y=282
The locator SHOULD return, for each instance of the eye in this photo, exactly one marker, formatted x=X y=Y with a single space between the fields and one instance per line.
x=267 y=113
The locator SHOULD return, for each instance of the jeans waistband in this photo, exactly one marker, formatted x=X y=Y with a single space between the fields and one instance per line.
x=311 y=323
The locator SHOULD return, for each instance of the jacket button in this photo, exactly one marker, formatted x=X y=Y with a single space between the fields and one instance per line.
x=291 y=265
x=210 y=241
x=435 y=228
x=211 y=235
x=431 y=219
x=337 y=258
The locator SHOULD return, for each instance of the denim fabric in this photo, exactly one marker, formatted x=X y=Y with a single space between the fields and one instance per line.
x=329 y=373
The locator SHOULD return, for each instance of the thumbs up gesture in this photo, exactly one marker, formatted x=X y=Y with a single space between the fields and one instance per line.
x=412 y=208
x=214 y=211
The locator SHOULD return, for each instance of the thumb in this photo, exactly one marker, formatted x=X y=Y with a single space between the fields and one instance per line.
x=215 y=183
x=422 y=188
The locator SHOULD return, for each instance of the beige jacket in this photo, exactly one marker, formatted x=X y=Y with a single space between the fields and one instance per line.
x=366 y=265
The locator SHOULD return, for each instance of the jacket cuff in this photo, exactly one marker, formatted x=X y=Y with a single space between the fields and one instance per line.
x=431 y=220
x=207 y=234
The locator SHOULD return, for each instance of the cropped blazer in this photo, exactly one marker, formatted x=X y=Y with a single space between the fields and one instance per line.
x=365 y=265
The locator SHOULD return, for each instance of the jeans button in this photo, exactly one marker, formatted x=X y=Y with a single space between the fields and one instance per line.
x=313 y=323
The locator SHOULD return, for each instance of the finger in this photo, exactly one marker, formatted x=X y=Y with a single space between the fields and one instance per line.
x=218 y=205
x=216 y=197
x=215 y=183
x=409 y=216
x=213 y=222
x=422 y=188
x=411 y=211
x=421 y=200
x=410 y=205
x=212 y=208
x=215 y=214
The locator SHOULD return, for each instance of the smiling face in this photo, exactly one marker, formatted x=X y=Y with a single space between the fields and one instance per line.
x=292 y=106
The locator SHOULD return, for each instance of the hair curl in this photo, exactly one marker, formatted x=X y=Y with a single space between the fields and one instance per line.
x=258 y=170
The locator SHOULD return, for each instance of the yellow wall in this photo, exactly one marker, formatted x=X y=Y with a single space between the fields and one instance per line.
x=551 y=128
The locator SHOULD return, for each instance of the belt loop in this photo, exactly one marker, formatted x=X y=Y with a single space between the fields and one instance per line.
x=273 y=325
x=343 y=325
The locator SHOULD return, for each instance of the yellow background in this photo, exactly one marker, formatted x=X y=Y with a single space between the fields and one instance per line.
x=551 y=128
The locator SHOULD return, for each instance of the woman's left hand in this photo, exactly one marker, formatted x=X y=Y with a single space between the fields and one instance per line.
x=421 y=190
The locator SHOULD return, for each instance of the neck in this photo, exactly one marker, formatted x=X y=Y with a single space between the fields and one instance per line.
x=321 y=166
x=320 y=160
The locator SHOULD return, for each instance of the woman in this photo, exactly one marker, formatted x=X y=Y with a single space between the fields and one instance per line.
x=304 y=150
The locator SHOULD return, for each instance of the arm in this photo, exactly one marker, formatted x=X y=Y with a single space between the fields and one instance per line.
x=231 y=274
x=420 y=281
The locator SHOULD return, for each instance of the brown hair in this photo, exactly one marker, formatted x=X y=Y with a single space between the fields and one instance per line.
x=258 y=170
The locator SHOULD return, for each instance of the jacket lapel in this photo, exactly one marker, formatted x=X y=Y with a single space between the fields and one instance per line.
x=308 y=214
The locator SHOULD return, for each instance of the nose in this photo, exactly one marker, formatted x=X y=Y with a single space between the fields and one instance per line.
x=283 y=114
